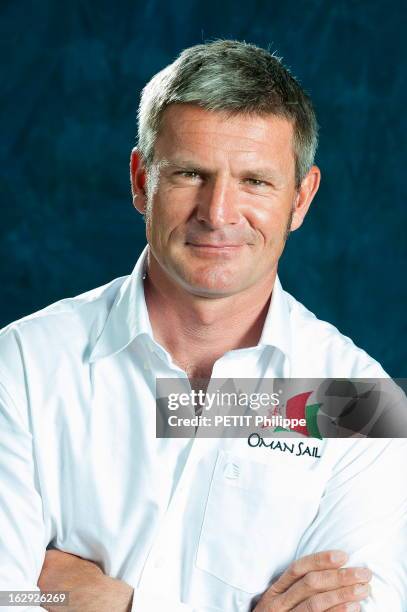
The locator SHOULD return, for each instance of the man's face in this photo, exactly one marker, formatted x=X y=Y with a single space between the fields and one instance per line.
x=221 y=193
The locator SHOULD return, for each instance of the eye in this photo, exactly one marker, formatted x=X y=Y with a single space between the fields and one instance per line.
x=192 y=174
x=256 y=182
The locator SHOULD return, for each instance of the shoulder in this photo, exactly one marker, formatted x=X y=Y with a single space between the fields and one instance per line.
x=319 y=349
x=62 y=328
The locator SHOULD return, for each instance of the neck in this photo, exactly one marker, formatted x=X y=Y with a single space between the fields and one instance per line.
x=197 y=330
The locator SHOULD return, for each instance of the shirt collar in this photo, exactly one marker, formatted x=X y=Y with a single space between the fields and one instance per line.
x=277 y=329
x=128 y=317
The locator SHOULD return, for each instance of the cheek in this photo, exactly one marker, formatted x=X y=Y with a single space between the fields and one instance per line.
x=167 y=213
x=172 y=206
x=269 y=220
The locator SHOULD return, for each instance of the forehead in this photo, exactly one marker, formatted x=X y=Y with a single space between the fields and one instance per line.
x=187 y=129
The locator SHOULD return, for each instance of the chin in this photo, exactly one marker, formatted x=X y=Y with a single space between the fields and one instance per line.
x=208 y=279
x=212 y=292
x=212 y=284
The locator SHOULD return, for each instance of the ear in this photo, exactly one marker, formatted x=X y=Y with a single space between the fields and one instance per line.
x=138 y=181
x=305 y=195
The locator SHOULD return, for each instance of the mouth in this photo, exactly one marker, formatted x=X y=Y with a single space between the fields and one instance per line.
x=215 y=253
x=202 y=249
x=203 y=245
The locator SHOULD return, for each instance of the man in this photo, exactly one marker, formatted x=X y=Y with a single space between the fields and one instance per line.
x=222 y=173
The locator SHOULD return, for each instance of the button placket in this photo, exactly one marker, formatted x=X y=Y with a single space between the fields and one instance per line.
x=159 y=555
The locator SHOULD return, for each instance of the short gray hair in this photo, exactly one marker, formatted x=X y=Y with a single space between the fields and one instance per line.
x=234 y=77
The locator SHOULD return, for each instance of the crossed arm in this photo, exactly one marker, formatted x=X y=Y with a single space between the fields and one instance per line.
x=363 y=515
x=363 y=511
x=314 y=583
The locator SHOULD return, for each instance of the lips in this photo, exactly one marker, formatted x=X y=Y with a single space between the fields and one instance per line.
x=213 y=246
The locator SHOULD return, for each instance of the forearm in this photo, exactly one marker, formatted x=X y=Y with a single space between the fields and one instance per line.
x=90 y=590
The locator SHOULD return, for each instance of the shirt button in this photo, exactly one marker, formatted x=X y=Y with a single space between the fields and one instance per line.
x=231 y=471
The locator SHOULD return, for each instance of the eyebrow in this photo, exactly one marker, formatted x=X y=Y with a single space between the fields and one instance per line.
x=262 y=174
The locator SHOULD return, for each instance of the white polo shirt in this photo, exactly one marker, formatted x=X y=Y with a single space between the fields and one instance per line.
x=81 y=468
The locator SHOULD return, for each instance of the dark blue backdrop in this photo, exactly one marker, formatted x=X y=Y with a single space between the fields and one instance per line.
x=72 y=76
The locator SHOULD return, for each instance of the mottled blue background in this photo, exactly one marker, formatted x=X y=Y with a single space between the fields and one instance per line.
x=72 y=73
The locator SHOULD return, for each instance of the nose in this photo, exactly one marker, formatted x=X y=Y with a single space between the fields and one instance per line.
x=218 y=203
